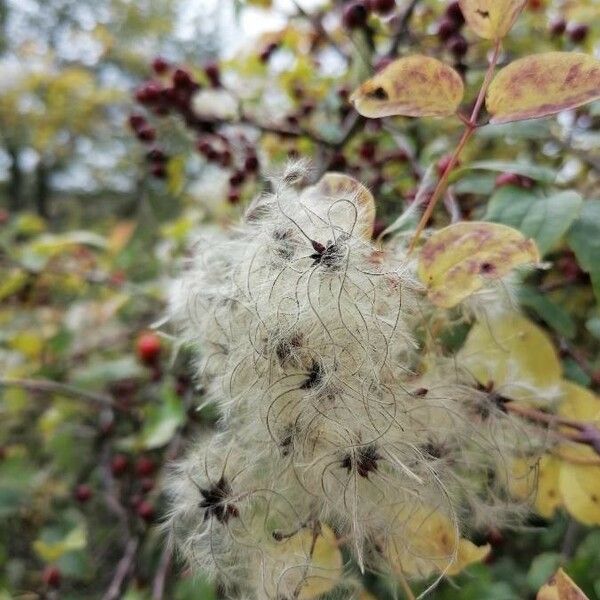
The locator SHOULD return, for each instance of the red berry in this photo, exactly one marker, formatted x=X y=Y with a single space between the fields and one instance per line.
x=307 y=108
x=4 y=216
x=145 y=466
x=355 y=15
x=225 y=158
x=558 y=27
x=149 y=93
x=136 y=122
x=234 y=196
x=535 y=5
x=51 y=576
x=148 y=348
x=182 y=79
x=508 y=179
x=160 y=65
x=578 y=32
x=146 y=134
x=446 y=29
x=213 y=73
x=118 y=464
x=145 y=510
x=251 y=163
x=158 y=170
x=454 y=12
x=237 y=179
x=156 y=155
x=383 y=7
x=147 y=484
x=458 y=45
x=367 y=150
x=83 y=493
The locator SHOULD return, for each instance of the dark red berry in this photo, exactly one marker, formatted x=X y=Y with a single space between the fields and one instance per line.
x=558 y=27
x=83 y=493
x=146 y=134
x=446 y=29
x=213 y=73
x=146 y=511
x=118 y=464
x=292 y=120
x=156 y=155
x=343 y=93
x=145 y=466
x=234 y=196
x=454 y=12
x=267 y=51
x=237 y=179
x=307 y=108
x=355 y=15
x=578 y=32
x=160 y=65
x=383 y=7
x=158 y=170
x=52 y=576
x=251 y=163
x=508 y=179
x=367 y=150
x=458 y=45
x=182 y=79
x=149 y=93
x=148 y=348
x=136 y=122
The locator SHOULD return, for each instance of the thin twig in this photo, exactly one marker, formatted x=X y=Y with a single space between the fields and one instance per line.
x=46 y=386
x=470 y=128
x=403 y=29
x=122 y=571
x=162 y=570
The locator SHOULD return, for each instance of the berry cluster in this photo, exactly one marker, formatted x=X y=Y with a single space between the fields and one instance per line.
x=577 y=32
x=449 y=31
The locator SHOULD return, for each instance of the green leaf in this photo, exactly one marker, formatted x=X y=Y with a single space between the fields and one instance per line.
x=542 y=567
x=545 y=219
x=541 y=174
x=553 y=314
x=112 y=370
x=584 y=239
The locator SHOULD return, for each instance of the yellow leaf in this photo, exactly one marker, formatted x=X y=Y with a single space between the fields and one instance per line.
x=515 y=355
x=543 y=84
x=561 y=587
x=13 y=281
x=323 y=567
x=76 y=539
x=533 y=478
x=28 y=343
x=491 y=19
x=461 y=258
x=579 y=482
x=430 y=543
x=415 y=86
x=335 y=187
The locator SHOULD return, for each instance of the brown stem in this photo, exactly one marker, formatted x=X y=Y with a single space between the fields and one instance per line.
x=122 y=571
x=585 y=433
x=470 y=128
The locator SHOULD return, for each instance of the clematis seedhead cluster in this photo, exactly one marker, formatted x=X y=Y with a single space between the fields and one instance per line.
x=345 y=421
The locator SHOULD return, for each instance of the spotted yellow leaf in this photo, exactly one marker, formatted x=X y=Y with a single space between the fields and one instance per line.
x=561 y=587
x=429 y=544
x=459 y=259
x=415 y=86
x=579 y=480
x=516 y=356
x=543 y=84
x=491 y=19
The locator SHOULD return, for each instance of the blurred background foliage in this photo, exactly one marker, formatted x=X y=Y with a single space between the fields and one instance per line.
x=94 y=224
